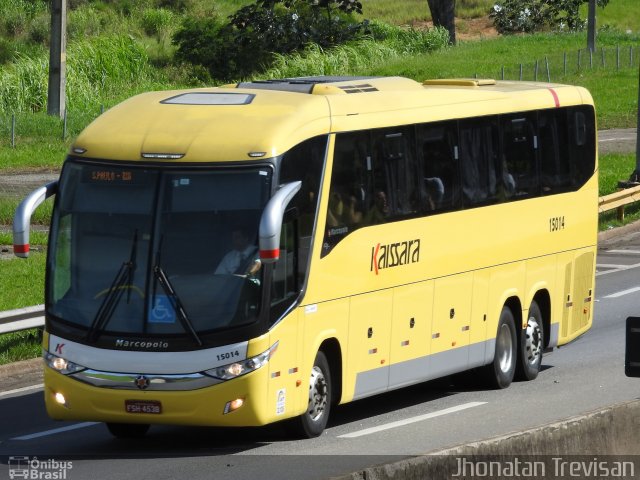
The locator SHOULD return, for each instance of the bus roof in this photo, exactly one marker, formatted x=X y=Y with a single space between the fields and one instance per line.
x=257 y=119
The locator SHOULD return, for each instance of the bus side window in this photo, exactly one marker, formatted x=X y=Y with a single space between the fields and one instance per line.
x=285 y=282
x=396 y=172
x=350 y=189
x=555 y=175
x=439 y=166
x=479 y=149
x=305 y=162
x=581 y=134
x=519 y=144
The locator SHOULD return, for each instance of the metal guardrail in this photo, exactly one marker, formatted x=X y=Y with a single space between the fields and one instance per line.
x=618 y=200
x=21 y=319
x=31 y=317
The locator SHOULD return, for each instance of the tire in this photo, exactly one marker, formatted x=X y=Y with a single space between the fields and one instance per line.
x=314 y=420
x=499 y=373
x=531 y=345
x=128 y=430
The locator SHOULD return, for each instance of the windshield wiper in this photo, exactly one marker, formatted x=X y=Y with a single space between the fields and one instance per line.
x=110 y=302
x=162 y=278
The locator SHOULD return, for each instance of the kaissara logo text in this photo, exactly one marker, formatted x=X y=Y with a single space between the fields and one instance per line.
x=394 y=254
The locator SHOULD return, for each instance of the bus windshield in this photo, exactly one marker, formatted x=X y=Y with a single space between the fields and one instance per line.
x=149 y=252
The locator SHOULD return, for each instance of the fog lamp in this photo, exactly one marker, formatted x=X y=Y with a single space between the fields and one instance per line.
x=233 y=405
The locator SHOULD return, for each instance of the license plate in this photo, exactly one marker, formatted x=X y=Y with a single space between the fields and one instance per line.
x=143 y=406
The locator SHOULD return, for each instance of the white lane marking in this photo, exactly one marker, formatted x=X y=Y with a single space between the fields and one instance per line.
x=623 y=292
x=20 y=390
x=628 y=252
x=609 y=265
x=54 y=431
x=419 y=418
x=622 y=268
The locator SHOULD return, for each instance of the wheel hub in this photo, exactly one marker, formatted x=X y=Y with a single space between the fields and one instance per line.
x=317 y=394
x=533 y=336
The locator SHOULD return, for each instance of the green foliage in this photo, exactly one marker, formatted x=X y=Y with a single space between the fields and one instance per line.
x=355 y=57
x=96 y=68
x=6 y=51
x=252 y=36
x=513 y=16
x=15 y=15
x=39 y=29
x=156 y=21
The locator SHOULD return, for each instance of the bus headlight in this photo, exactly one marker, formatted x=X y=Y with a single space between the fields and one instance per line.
x=236 y=369
x=61 y=365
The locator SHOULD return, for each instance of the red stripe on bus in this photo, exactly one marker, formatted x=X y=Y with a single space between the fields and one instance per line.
x=555 y=97
x=270 y=253
x=21 y=248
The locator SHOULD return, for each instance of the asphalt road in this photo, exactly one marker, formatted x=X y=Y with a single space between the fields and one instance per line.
x=578 y=378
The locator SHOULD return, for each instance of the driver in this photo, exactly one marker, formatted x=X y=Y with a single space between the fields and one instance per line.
x=243 y=259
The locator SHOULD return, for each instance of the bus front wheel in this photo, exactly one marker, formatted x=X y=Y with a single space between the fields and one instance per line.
x=501 y=371
x=314 y=420
x=128 y=430
x=531 y=345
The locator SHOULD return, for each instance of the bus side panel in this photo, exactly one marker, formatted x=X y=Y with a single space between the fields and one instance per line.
x=451 y=324
x=320 y=322
x=507 y=281
x=287 y=383
x=370 y=341
x=410 y=334
x=479 y=316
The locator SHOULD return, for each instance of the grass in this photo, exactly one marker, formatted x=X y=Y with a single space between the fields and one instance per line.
x=612 y=168
x=21 y=284
x=20 y=345
x=619 y=13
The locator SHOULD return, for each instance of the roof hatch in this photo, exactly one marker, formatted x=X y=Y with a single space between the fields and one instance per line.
x=210 y=98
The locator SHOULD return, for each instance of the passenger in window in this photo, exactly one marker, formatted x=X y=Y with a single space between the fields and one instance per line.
x=353 y=213
x=379 y=212
x=435 y=192
x=243 y=259
x=335 y=211
x=343 y=210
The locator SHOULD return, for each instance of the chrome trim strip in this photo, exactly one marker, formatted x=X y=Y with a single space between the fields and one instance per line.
x=134 y=362
x=128 y=381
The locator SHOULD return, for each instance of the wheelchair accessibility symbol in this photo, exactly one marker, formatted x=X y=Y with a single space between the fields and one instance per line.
x=162 y=310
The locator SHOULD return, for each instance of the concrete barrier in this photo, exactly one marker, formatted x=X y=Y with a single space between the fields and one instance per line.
x=605 y=438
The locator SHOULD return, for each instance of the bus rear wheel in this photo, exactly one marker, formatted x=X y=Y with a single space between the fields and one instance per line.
x=501 y=371
x=314 y=420
x=531 y=345
x=128 y=430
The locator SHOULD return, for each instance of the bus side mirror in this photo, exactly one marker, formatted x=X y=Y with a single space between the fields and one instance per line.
x=632 y=351
x=22 y=217
x=271 y=222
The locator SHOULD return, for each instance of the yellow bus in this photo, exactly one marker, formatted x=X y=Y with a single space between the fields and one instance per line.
x=264 y=251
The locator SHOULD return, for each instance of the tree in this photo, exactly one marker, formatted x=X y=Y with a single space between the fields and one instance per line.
x=514 y=16
x=443 y=15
